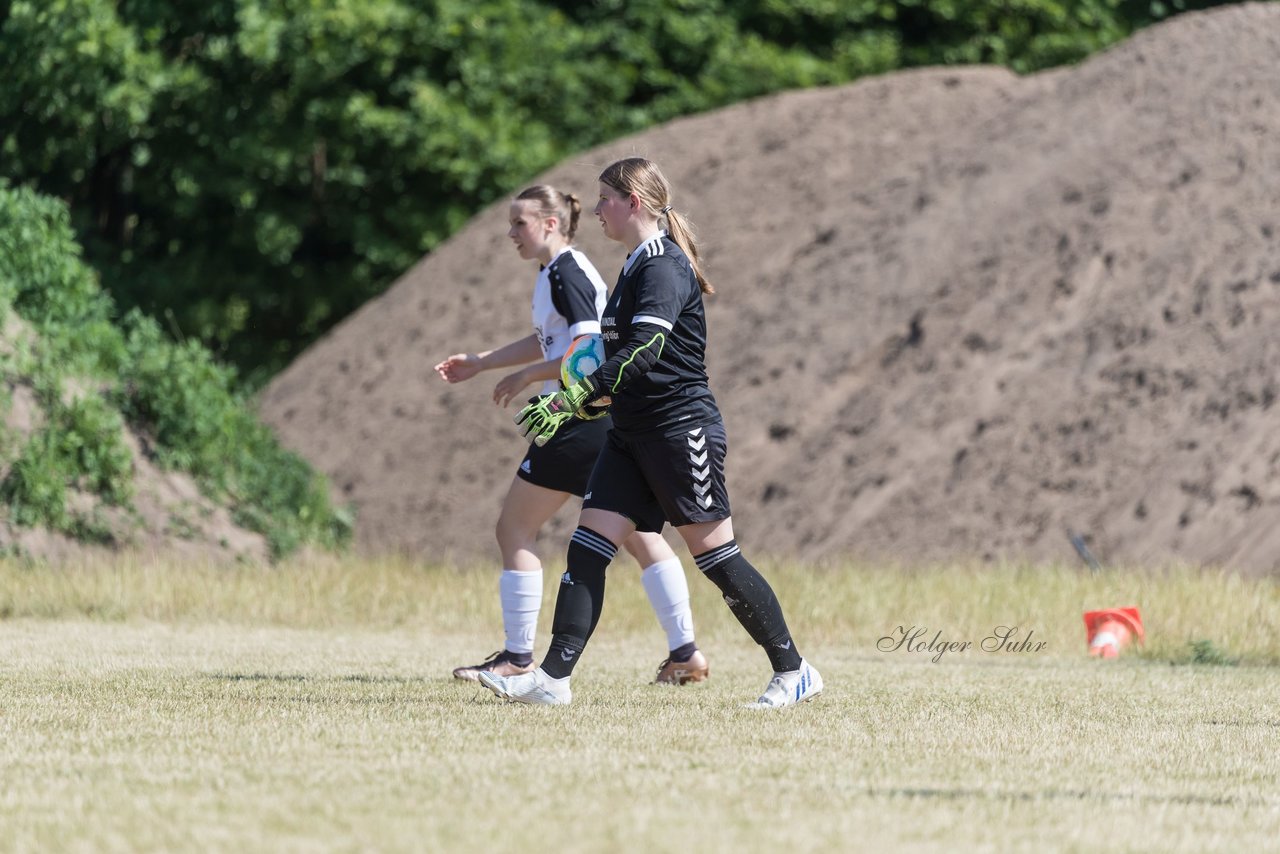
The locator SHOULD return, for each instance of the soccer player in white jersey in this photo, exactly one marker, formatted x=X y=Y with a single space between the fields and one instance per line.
x=664 y=460
x=568 y=297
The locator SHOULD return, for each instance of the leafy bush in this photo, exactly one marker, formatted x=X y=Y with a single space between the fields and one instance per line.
x=187 y=403
x=79 y=445
x=45 y=281
x=176 y=394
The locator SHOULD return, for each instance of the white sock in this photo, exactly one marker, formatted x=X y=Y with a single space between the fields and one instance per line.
x=521 y=594
x=669 y=595
x=551 y=681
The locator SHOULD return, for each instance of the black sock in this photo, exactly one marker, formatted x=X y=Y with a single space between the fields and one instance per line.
x=684 y=652
x=524 y=659
x=752 y=601
x=579 y=602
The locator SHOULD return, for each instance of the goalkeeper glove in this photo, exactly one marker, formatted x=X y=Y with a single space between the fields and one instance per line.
x=545 y=415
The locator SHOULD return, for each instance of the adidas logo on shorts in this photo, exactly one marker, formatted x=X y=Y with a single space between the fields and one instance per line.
x=526 y=468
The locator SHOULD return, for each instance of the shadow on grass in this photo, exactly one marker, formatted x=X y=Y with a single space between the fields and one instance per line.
x=1068 y=795
x=358 y=678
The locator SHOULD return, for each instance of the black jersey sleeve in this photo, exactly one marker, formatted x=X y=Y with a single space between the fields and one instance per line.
x=661 y=290
x=636 y=358
x=573 y=295
x=660 y=295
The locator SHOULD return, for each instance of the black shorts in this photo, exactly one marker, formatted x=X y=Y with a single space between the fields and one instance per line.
x=677 y=479
x=564 y=463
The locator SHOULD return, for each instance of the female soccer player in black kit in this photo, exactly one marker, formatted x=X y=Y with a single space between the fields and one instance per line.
x=567 y=299
x=664 y=457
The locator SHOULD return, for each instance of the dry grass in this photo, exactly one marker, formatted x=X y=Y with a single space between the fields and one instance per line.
x=1187 y=612
x=306 y=707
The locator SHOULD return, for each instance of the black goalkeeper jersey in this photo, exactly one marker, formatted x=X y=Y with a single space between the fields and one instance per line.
x=658 y=289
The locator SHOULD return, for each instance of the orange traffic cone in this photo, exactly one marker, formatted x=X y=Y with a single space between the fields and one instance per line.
x=1111 y=630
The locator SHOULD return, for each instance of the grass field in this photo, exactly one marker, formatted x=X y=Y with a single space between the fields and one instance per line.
x=308 y=707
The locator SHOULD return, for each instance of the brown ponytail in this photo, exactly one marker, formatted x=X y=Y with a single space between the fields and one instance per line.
x=565 y=207
x=575 y=211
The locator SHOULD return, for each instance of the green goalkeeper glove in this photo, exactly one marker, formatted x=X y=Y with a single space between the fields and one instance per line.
x=545 y=415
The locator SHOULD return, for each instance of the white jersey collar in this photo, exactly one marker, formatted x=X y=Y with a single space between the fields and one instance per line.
x=556 y=257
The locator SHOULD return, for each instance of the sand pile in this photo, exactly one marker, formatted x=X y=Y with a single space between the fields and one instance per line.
x=960 y=312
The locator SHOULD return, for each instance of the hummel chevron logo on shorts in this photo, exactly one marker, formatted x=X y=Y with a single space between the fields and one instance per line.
x=700 y=467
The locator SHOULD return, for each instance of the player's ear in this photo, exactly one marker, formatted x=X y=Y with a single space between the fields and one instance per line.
x=633 y=201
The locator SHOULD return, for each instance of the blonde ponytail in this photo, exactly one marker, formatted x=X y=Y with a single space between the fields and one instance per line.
x=681 y=231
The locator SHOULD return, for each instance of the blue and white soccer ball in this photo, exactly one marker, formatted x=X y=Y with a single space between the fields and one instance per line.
x=584 y=356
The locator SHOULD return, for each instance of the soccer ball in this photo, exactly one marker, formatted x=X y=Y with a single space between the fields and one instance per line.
x=583 y=357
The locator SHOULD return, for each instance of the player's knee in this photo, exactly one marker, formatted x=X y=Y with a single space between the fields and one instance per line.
x=648 y=549
x=636 y=549
x=512 y=535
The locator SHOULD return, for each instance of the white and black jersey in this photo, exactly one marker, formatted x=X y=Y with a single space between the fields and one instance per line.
x=567 y=301
x=655 y=338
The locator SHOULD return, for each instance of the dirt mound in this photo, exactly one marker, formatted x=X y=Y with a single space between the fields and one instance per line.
x=166 y=517
x=960 y=312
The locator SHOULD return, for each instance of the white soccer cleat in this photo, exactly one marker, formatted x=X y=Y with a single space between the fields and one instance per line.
x=789 y=688
x=534 y=688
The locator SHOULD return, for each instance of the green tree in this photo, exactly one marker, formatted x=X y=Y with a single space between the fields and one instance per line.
x=250 y=171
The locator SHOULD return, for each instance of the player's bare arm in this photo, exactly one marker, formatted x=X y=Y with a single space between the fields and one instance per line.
x=512 y=385
x=463 y=366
